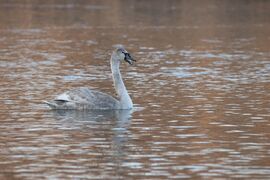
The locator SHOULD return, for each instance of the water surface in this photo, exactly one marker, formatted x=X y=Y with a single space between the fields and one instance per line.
x=201 y=88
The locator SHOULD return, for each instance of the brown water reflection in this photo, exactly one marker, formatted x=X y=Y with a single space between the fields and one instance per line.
x=200 y=86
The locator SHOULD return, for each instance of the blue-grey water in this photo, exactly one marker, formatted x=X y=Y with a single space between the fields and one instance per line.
x=201 y=89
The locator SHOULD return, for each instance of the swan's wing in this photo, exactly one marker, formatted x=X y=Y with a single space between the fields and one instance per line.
x=84 y=98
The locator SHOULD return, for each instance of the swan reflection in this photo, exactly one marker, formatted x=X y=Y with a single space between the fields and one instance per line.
x=99 y=135
x=94 y=116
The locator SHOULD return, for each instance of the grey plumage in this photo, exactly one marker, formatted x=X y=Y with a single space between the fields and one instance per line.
x=84 y=98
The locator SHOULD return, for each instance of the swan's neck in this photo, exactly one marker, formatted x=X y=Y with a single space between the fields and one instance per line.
x=124 y=98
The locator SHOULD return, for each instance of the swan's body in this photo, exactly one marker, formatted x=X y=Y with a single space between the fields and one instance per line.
x=85 y=98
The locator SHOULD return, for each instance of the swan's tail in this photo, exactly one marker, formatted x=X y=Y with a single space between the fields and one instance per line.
x=51 y=104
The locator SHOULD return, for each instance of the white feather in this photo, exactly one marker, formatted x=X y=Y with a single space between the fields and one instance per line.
x=63 y=97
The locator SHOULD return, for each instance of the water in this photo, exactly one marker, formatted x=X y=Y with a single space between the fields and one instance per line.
x=200 y=86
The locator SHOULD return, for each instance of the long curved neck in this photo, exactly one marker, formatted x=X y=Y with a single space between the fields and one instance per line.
x=124 y=98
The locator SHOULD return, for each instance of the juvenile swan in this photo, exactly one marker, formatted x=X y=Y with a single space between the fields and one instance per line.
x=85 y=98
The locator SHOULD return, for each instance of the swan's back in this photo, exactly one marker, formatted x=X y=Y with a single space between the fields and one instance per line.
x=84 y=98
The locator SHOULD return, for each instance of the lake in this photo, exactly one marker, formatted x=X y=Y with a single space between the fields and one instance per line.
x=200 y=87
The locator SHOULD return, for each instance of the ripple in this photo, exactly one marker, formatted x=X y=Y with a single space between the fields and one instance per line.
x=185 y=72
x=201 y=91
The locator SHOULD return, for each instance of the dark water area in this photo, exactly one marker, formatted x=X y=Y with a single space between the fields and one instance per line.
x=201 y=89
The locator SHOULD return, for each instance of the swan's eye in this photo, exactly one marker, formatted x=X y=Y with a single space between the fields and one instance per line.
x=125 y=53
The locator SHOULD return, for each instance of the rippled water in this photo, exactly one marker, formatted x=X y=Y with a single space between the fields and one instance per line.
x=201 y=87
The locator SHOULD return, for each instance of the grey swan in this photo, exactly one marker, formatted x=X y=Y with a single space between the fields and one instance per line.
x=85 y=98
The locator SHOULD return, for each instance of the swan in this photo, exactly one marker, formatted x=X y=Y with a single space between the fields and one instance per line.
x=85 y=98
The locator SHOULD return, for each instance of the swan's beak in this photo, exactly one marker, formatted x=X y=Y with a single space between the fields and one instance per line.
x=129 y=59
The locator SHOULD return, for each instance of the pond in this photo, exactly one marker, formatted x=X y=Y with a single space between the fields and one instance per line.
x=200 y=87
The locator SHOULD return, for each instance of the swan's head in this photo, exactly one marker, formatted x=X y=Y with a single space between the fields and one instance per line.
x=123 y=55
